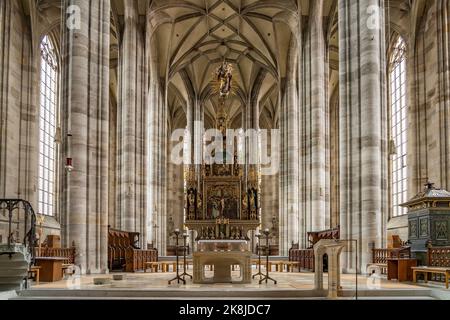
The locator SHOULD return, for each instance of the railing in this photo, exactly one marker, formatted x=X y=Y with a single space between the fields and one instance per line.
x=382 y=255
x=20 y=213
x=305 y=258
x=67 y=253
x=124 y=254
x=439 y=257
x=136 y=259
x=330 y=234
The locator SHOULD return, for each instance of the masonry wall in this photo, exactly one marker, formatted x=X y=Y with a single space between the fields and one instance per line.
x=18 y=109
x=429 y=122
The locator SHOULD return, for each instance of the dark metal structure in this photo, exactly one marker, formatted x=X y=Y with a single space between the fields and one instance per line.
x=20 y=213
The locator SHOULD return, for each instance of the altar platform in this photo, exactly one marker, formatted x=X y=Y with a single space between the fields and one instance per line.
x=291 y=286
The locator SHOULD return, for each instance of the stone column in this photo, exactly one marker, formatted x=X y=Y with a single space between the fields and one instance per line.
x=19 y=105
x=190 y=130
x=191 y=105
x=442 y=101
x=157 y=180
x=197 y=139
x=314 y=113
x=157 y=145
x=363 y=134
x=132 y=125
x=85 y=110
x=289 y=175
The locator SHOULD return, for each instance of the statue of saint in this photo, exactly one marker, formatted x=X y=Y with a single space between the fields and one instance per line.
x=252 y=200
x=199 y=202
x=224 y=77
x=191 y=200
x=215 y=211
x=245 y=202
x=222 y=206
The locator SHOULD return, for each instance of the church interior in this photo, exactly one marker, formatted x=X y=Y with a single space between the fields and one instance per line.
x=225 y=149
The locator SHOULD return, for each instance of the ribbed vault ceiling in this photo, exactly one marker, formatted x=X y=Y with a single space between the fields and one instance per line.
x=195 y=36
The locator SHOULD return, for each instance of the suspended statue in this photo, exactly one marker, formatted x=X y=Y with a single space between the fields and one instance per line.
x=224 y=78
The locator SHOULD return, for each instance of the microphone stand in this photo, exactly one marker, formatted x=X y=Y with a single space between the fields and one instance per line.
x=177 y=278
x=267 y=277
x=260 y=274
x=185 y=274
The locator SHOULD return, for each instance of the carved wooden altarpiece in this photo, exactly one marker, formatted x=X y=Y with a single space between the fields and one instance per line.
x=222 y=199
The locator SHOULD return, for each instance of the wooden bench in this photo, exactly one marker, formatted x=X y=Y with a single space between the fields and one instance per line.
x=153 y=266
x=162 y=266
x=124 y=253
x=431 y=270
x=278 y=266
x=34 y=273
x=291 y=265
x=165 y=266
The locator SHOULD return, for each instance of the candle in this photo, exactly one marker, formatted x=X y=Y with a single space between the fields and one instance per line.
x=267 y=230
x=177 y=230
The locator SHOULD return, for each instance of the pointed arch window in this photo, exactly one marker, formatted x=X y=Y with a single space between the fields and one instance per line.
x=399 y=126
x=47 y=127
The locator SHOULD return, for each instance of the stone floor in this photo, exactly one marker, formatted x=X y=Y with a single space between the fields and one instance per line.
x=290 y=285
x=150 y=281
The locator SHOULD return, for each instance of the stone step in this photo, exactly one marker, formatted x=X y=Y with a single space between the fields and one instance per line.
x=7 y=265
x=212 y=294
x=6 y=273
x=13 y=268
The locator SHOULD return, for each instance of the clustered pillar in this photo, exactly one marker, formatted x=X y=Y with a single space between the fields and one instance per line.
x=315 y=191
x=363 y=136
x=85 y=109
x=132 y=111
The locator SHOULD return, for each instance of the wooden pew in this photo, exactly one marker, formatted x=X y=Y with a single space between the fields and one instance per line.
x=438 y=264
x=34 y=273
x=431 y=270
x=68 y=255
x=124 y=253
x=305 y=257
x=381 y=256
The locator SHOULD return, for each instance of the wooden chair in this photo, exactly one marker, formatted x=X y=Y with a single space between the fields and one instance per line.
x=34 y=273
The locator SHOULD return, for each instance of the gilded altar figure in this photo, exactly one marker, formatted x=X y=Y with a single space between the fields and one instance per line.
x=199 y=202
x=252 y=200
x=225 y=77
x=237 y=167
x=253 y=204
x=191 y=207
x=215 y=211
x=245 y=207
x=207 y=170
x=191 y=200
x=222 y=206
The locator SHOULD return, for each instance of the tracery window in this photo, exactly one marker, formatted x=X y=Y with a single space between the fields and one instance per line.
x=47 y=127
x=399 y=126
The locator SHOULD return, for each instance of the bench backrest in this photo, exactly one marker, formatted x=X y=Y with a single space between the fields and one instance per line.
x=439 y=257
x=381 y=255
x=68 y=253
